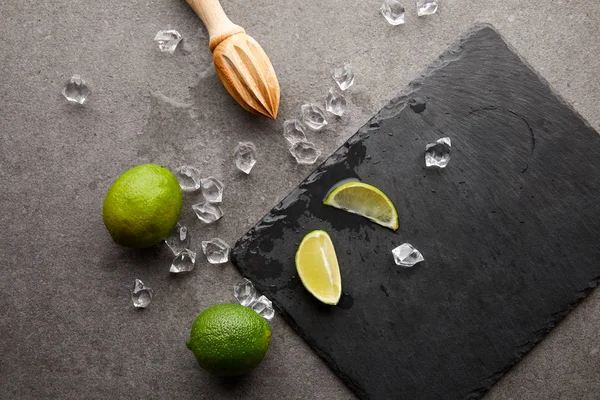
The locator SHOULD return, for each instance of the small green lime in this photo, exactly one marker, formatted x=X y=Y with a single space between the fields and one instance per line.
x=229 y=339
x=142 y=206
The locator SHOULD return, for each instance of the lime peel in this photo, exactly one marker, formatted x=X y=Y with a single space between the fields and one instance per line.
x=229 y=339
x=365 y=200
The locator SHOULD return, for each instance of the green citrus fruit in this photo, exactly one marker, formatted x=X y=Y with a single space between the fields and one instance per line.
x=229 y=339
x=366 y=200
x=142 y=206
x=318 y=269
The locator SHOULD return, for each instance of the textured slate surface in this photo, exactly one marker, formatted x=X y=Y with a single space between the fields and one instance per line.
x=509 y=231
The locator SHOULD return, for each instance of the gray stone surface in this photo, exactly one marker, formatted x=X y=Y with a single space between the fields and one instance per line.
x=67 y=326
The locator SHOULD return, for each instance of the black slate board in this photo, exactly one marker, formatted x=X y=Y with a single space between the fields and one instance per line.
x=510 y=231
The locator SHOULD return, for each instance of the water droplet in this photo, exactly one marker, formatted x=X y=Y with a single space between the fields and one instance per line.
x=346 y=301
x=417 y=104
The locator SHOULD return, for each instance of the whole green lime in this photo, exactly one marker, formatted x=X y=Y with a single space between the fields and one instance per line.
x=142 y=206
x=229 y=339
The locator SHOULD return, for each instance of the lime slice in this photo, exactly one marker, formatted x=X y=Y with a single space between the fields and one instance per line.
x=366 y=200
x=318 y=268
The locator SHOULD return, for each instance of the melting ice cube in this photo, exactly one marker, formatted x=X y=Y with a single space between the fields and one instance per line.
x=167 y=40
x=393 y=12
x=216 y=251
x=313 y=116
x=264 y=307
x=76 y=90
x=179 y=239
x=437 y=155
x=245 y=156
x=212 y=189
x=343 y=76
x=406 y=255
x=141 y=296
x=183 y=262
x=245 y=292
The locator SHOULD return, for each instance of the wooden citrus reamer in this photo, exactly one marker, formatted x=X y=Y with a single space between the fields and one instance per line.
x=242 y=65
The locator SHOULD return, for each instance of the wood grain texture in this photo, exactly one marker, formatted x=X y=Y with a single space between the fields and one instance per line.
x=217 y=23
x=248 y=75
x=240 y=62
x=509 y=231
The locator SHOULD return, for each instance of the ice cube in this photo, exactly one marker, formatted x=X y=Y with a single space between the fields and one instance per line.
x=343 y=76
x=208 y=212
x=264 y=307
x=406 y=255
x=313 y=116
x=185 y=261
x=141 y=296
x=293 y=131
x=216 y=251
x=426 y=7
x=335 y=102
x=188 y=177
x=393 y=12
x=245 y=156
x=305 y=153
x=437 y=155
x=179 y=239
x=76 y=90
x=212 y=189
x=245 y=292
x=167 y=40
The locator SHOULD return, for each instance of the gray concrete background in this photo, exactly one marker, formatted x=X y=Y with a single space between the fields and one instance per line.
x=67 y=327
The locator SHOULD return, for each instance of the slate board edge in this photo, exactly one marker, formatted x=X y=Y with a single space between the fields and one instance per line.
x=541 y=78
x=392 y=108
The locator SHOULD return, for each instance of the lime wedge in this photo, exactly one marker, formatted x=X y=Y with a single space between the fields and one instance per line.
x=318 y=268
x=366 y=200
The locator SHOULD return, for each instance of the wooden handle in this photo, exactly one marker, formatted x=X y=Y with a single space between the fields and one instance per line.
x=218 y=25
